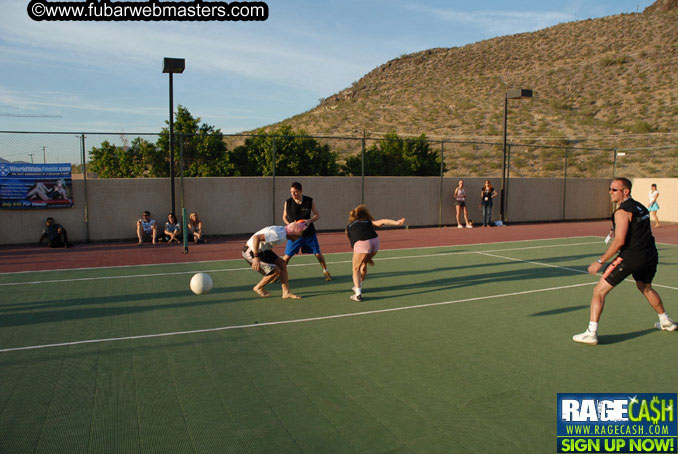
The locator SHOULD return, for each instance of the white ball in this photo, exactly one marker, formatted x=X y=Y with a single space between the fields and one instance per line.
x=201 y=283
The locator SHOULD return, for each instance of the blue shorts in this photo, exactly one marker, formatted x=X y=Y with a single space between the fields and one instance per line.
x=307 y=244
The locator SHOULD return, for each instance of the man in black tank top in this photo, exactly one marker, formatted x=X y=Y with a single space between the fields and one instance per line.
x=300 y=207
x=638 y=257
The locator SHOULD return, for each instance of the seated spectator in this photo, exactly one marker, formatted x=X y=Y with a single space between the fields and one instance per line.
x=195 y=228
x=147 y=229
x=55 y=235
x=172 y=230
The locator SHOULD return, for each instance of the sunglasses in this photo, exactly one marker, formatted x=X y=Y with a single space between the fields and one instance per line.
x=613 y=189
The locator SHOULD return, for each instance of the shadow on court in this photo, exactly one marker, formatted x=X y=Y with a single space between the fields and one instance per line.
x=456 y=282
x=58 y=310
x=610 y=339
x=561 y=310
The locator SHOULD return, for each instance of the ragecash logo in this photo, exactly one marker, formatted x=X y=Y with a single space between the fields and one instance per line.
x=619 y=423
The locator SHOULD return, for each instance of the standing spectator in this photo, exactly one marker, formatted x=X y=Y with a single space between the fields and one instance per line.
x=365 y=243
x=55 y=234
x=653 y=206
x=637 y=257
x=147 y=229
x=172 y=230
x=195 y=228
x=302 y=208
x=258 y=252
x=460 y=203
x=486 y=196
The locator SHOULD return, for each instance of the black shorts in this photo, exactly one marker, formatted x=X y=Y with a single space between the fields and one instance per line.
x=641 y=270
x=266 y=258
x=460 y=203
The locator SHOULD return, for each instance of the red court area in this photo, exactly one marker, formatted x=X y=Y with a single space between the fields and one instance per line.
x=34 y=258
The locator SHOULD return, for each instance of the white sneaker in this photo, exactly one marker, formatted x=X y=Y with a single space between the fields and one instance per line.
x=469 y=226
x=355 y=297
x=459 y=226
x=669 y=325
x=586 y=337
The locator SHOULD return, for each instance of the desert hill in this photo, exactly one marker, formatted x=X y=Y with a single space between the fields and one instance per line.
x=607 y=82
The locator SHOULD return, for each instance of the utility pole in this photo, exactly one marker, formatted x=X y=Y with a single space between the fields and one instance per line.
x=44 y=155
x=31 y=155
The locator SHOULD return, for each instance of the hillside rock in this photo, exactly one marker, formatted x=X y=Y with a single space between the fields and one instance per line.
x=607 y=82
x=662 y=6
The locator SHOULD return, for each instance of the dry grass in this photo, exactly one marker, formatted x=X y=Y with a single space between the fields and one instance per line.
x=608 y=82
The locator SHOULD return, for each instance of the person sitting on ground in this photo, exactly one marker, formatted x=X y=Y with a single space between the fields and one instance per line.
x=172 y=230
x=195 y=228
x=55 y=234
x=147 y=229
x=258 y=252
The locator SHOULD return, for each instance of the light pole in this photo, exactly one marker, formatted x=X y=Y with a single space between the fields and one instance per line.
x=519 y=93
x=172 y=66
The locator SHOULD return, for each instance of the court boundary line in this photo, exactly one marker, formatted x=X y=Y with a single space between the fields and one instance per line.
x=175 y=273
x=329 y=253
x=288 y=322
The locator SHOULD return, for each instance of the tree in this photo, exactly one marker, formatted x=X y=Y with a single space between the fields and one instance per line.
x=204 y=151
x=295 y=154
x=137 y=160
x=111 y=161
x=395 y=156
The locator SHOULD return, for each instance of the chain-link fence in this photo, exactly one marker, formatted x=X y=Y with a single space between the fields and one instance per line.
x=369 y=156
x=274 y=155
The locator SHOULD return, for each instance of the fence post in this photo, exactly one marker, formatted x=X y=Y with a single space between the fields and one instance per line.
x=362 y=171
x=614 y=164
x=273 y=204
x=442 y=166
x=508 y=179
x=84 y=181
x=181 y=193
x=565 y=184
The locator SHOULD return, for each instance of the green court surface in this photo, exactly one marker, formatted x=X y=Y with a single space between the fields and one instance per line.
x=456 y=349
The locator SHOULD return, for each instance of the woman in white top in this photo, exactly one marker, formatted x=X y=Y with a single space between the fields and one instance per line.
x=460 y=203
x=653 y=206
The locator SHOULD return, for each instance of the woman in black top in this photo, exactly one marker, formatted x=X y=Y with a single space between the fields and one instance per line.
x=486 y=196
x=365 y=243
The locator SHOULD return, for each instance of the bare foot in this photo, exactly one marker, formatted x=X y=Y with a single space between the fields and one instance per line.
x=261 y=292
x=292 y=296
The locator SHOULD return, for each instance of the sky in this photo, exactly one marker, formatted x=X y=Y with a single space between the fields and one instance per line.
x=107 y=76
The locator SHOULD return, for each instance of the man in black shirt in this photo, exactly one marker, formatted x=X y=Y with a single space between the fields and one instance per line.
x=638 y=257
x=55 y=234
x=297 y=208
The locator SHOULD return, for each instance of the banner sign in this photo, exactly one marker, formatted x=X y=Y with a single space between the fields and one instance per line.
x=623 y=423
x=35 y=185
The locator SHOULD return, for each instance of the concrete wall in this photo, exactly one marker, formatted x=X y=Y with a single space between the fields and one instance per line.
x=243 y=205
x=668 y=196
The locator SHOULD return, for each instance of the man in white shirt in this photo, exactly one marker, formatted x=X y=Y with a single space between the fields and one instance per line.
x=258 y=252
